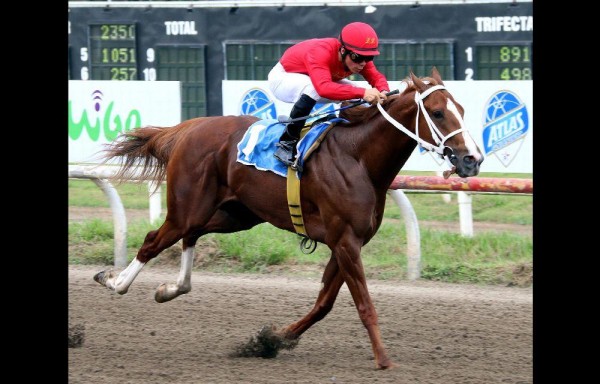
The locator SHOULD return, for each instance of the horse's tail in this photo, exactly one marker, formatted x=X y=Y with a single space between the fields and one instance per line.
x=143 y=153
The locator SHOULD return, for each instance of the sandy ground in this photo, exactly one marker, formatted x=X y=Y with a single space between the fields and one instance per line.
x=435 y=332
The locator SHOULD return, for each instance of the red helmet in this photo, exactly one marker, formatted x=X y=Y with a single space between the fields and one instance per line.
x=360 y=38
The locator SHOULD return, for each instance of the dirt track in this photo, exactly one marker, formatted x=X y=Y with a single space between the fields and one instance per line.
x=436 y=333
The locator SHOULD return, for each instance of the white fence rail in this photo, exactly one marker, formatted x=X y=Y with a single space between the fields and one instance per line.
x=101 y=174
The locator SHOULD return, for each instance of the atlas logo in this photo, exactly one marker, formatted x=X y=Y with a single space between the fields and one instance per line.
x=257 y=103
x=505 y=125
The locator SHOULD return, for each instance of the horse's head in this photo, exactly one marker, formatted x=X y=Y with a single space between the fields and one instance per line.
x=440 y=124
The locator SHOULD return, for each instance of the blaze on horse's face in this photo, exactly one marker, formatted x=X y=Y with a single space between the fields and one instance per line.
x=461 y=151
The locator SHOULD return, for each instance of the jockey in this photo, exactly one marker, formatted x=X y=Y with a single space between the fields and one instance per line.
x=317 y=70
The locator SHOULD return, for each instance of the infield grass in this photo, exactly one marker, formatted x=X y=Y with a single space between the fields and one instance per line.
x=491 y=257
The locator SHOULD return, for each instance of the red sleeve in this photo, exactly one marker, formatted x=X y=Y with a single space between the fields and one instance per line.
x=374 y=77
x=319 y=71
x=318 y=58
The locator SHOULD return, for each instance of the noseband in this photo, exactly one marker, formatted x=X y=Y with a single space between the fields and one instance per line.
x=438 y=137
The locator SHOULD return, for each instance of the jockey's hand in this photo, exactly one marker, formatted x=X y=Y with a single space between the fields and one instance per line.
x=372 y=95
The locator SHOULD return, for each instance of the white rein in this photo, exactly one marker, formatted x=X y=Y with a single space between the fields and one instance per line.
x=438 y=137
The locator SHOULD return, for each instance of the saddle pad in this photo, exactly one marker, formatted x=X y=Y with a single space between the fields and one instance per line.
x=258 y=144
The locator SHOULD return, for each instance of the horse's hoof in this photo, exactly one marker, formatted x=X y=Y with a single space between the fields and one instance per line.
x=168 y=291
x=159 y=295
x=266 y=343
x=100 y=278
x=103 y=276
x=165 y=292
x=387 y=365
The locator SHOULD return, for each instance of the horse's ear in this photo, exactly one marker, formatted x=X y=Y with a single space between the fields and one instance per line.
x=418 y=83
x=436 y=76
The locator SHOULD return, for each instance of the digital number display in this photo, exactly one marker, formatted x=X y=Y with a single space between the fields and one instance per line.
x=504 y=62
x=113 y=52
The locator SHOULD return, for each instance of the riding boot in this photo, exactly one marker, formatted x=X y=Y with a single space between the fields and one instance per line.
x=286 y=148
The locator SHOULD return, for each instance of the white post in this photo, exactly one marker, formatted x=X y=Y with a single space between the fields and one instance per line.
x=413 y=236
x=465 y=214
x=119 y=221
x=154 y=201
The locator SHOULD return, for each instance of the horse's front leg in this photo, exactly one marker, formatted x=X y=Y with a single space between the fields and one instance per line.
x=330 y=286
x=347 y=253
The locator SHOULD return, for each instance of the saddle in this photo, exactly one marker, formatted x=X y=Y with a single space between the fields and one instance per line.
x=258 y=145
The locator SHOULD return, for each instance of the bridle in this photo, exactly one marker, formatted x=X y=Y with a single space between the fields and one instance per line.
x=438 y=137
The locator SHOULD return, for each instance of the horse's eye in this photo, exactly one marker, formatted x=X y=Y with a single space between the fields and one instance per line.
x=438 y=114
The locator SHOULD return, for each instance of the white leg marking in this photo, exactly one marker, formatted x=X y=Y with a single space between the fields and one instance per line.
x=126 y=277
x=169 y=291
x=184 y=281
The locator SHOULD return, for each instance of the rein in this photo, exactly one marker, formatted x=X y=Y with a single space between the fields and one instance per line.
x=438 y=137
x=286 y=119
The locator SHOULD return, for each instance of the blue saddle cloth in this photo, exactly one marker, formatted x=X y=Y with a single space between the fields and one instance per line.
x=258 y=144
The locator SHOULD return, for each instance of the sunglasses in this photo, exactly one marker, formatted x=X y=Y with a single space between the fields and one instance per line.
x=360 y=58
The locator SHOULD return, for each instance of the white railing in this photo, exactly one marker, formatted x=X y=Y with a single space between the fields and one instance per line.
x=101 y=174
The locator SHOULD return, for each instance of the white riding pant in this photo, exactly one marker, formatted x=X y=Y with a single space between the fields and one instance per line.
x=288 y=87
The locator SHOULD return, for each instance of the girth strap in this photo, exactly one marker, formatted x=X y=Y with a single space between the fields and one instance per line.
x=293 y=196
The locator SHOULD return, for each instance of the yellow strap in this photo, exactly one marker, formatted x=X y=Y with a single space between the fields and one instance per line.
x=293 y=185
x=293 y=195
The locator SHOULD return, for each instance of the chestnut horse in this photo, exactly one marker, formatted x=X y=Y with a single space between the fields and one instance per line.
x=343 y=188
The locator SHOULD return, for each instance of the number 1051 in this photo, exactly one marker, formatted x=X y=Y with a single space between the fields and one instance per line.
x=118 y=55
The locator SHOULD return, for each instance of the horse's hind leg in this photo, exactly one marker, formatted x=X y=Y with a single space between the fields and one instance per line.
x=269 y=340
x=169 y=291
x=330 y=286
x=222 y=221
x=154 y=243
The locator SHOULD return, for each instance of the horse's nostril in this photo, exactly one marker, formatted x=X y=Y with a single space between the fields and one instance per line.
x=469 y=160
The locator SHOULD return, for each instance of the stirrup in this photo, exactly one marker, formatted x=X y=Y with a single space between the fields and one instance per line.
x=288 y=146
x=284 y=154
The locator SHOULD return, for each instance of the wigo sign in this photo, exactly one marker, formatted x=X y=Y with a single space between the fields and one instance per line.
x=101 y=110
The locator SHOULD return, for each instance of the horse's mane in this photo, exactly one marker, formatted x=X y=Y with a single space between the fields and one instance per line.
x=363 y=113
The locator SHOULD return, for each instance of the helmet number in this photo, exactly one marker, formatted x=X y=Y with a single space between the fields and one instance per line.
x=370 y=40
